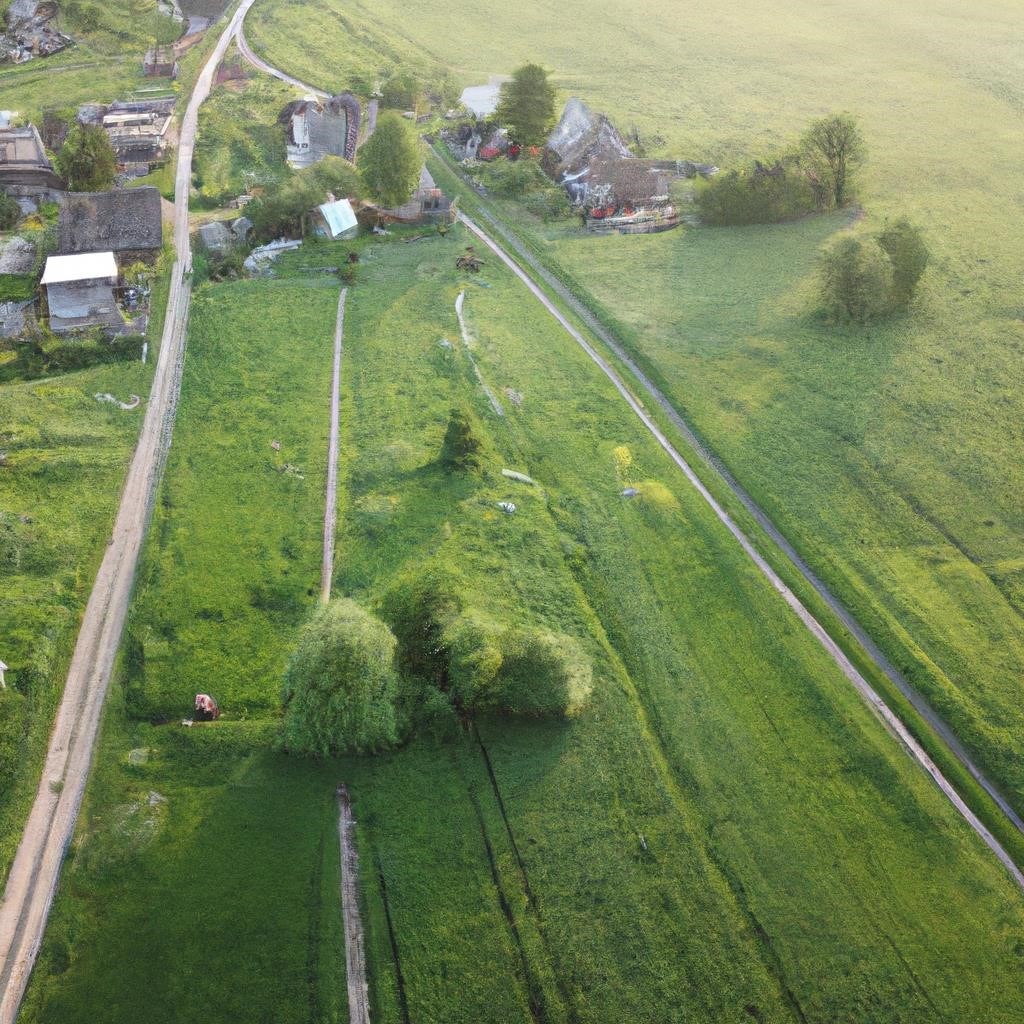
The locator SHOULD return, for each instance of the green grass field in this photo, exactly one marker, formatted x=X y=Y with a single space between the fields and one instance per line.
x=890 y=457
x=59 y=488
x=797 y=865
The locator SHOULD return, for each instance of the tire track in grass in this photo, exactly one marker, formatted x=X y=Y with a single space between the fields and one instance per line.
x=882 y=710
x=403 y=1001
x=531 y=900
x=331 y=502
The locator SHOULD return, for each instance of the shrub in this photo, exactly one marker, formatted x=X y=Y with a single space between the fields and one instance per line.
x=419 y=608
x=543 y=674
x=473 y=646
x=461 y=449
x=905 y=246
x=340 y=686
x=549 y=204
x=757 y=194
x=857 y=280
x=10 y=212
x=87 y=161
x=401 y=92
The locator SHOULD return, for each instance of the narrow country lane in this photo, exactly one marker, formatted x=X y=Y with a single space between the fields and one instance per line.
x=33 y=878
x=331 y=503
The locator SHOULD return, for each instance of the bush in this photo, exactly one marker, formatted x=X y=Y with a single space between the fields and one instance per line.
x=543 y=674
x=905 y=246
x=857 y=280
x=401 y=92
x=461 y=449
x=340 y=686
x=390 y=160
x=10 y=211
x=549 y=204
x=757 y=194
x=87 y=161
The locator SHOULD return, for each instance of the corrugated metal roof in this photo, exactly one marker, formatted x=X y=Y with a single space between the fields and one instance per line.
x=339 y=217
x=86 y=266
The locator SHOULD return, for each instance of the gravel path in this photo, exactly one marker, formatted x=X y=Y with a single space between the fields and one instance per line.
x=327 y=569
x=33 y=878
x=355 y=955
x=867 y=692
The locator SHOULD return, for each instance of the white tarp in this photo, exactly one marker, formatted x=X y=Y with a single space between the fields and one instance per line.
x=339 y=217
x=86 y=266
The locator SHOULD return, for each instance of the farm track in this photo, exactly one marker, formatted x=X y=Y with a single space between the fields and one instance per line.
x=715 y=464
x=860 y=684
x=34 y=874
x=331 y=504
x=355 y=955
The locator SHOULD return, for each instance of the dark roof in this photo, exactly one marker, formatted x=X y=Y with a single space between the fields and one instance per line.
x=117 y=221
x=630 y=181
x=23 y=159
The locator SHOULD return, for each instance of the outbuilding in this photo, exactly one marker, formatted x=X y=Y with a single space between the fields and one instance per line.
x=80 y=291
x=336 y=220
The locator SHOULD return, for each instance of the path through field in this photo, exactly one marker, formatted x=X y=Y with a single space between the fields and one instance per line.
x=33 y=878
x=355 y=956
x=863 y=687
x=327 y=570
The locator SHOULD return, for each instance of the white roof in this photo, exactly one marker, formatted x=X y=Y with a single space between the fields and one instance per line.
x=86 y=266
x=339 y=216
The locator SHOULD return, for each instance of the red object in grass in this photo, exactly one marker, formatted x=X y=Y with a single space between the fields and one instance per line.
x=488 y=152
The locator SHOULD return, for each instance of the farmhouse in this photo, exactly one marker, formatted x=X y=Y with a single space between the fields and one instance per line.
x=580 y=138
x=137 y=130
x=127 y=222
x=80 y=291
x=315 y=129
x=25 y=171
x=628 y=196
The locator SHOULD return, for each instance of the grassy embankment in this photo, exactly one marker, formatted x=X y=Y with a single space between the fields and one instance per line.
x=795 y=857
x=890 y=457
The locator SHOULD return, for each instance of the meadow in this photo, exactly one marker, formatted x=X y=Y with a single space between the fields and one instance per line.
x=890 y=457
x=726 y=833
x=66 y=455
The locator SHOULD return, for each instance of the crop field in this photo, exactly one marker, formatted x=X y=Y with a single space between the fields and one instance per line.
x=889 y=456
x=59 y=486
x=726 y=833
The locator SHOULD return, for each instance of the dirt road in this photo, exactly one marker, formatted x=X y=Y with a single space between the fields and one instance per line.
x=331 y=504
x=36 y=868
x=867 y=692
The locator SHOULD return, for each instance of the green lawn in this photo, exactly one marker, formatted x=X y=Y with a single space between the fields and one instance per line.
x=794 y=863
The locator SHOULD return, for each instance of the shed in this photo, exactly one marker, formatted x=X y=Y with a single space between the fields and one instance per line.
x=336 y=220
x=25 y=169
x=125 y=221
x=80 y=291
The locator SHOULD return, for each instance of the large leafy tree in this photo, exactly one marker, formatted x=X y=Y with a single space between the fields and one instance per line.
x=390 y=161
x=857 y=278
x=835 y=148
x=527 y=105
x=340 y=686
x=87 y=161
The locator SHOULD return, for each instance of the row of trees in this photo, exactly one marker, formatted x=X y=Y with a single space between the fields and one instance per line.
x=818 y=174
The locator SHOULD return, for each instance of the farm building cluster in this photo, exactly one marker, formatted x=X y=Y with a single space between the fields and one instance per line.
x=138 y=130
x=611 y=188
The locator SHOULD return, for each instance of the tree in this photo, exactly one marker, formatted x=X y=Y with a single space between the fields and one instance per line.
x=333 y=174
x=390 y=161
x=835 y=147
x=340 y=686
x=87 y=161
x=906 y=248
x=543 y=674
x=461 y=447
x=10 y=211
x=527 y=105
x=857 y=280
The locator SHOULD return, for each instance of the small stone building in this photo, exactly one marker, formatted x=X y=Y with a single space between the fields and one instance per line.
x=126 y=221
x=628 y=196
x=80 y=292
